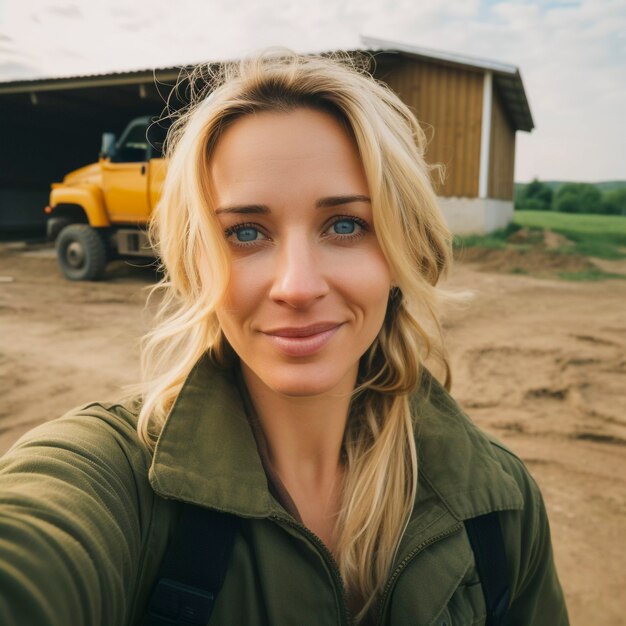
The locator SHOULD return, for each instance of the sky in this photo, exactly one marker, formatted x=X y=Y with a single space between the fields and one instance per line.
x=571 y=54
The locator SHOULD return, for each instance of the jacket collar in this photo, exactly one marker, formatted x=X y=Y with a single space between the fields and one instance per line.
x=456 y=460
x=207 y=455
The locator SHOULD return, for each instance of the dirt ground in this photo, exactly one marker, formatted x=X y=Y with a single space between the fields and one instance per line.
x=539 y=363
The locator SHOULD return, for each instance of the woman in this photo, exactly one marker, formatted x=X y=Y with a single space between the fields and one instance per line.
x=284 y=385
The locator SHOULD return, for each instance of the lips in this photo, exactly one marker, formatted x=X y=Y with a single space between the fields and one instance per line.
x=302 y=340
x=302 y=331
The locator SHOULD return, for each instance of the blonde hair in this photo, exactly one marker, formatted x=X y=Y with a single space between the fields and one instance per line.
x=381 y=460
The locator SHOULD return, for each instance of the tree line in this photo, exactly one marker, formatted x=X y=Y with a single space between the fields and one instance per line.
x=570 y=198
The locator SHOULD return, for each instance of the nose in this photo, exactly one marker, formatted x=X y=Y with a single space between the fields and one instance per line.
x=299 y=278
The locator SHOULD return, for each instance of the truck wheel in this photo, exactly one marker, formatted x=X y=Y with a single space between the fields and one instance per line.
x=81 y=252
x=55 y=225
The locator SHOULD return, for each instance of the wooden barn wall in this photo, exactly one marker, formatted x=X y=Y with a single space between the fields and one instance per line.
x=502 y=152
x=448 y=103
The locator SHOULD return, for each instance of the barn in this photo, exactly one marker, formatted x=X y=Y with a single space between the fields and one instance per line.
x=470 y=108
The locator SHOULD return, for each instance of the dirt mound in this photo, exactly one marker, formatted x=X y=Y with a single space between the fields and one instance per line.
x=555 y=241
x=541 y=253
x=613 y=267
x=547 y=239
x=536 y=260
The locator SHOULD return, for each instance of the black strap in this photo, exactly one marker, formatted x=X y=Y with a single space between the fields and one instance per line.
x=485 y=537
x=193 y=569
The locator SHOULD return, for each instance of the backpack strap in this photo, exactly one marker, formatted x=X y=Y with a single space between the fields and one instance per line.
x=485 y=537
x=193 y=569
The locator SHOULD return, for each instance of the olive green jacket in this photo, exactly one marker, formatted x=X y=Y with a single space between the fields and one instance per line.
x=86 y=513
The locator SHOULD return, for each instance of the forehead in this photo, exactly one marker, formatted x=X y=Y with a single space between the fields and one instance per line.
x=302 y=150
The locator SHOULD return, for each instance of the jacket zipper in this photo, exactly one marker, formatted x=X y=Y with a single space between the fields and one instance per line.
x=330 y=560
x=405 y=561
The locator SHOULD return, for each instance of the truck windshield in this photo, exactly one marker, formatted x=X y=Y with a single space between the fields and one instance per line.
x=134 y=145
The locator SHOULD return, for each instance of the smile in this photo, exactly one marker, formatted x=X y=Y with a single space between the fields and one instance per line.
x=302 y=341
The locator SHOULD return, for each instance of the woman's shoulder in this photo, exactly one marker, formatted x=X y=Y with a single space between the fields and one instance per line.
x=470 y=469
x=76 y=516
x=95 y=445
x=92 y=426
x=473 y=474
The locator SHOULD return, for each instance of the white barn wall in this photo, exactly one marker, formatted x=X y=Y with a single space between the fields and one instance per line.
x=476 y=216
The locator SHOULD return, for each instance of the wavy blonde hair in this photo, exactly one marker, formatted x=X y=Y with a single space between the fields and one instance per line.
x=379 y=446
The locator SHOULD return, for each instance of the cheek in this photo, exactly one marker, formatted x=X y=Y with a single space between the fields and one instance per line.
x=376 y=308
x=373 y=273
x=369 y=280
x=244 y=287
x=243 y=299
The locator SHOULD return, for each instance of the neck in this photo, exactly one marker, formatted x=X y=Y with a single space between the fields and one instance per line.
x=304 y=436
x=304 y=433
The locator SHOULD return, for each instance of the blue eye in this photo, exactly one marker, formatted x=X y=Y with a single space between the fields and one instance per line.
x=344 y=227
x=246 y=234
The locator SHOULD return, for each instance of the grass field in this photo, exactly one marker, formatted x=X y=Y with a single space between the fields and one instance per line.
x=599 y=236
x=603 y=236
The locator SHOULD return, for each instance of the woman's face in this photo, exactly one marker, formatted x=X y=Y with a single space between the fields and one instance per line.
x=309 y=283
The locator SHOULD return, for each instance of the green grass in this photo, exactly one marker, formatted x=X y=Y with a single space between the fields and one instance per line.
x=602 y=236
x=496 y=239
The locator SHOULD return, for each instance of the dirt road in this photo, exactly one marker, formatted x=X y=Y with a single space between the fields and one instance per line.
x=539 y=363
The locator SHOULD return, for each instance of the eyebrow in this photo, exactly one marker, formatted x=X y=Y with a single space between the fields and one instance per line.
x=243 y=208
x=322 y=203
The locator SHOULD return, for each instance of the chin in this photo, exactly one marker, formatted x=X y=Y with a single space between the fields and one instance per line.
x=302 y=382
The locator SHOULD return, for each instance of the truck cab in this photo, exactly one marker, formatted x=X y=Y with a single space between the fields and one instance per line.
x=101 y=211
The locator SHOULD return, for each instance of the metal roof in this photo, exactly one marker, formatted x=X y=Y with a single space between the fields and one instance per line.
x=372 y=44
x=135 y=77
x=507 y=78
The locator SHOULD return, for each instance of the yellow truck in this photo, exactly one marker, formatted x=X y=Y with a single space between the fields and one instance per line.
x=100 y=212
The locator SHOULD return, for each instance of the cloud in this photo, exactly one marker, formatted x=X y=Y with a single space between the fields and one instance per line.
x=10 y=70
x=68 y=11
x=572 y=59
x=572 y=62
x=571 y=54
